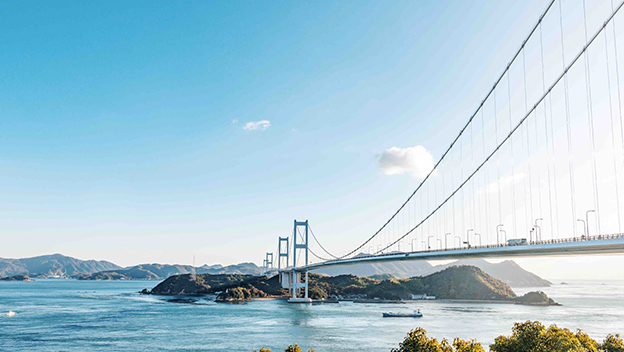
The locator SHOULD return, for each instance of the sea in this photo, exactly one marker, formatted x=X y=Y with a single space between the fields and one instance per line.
x=71 y=315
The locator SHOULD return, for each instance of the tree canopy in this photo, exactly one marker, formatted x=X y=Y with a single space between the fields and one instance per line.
x=530 y=336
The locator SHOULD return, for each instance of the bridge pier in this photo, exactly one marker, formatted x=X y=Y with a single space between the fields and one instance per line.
x=292 y=280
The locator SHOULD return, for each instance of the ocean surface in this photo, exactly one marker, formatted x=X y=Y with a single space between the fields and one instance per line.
x=69 y=315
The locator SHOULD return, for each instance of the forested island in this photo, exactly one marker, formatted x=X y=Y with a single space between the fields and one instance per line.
x=458 y=282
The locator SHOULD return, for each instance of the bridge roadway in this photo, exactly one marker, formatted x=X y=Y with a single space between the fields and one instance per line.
x=605 y=244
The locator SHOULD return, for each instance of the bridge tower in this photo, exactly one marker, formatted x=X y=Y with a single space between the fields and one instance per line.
x=296 y=275
x=281 y=253
x=268 y=262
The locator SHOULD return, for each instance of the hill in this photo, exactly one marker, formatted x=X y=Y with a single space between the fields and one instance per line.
x=396 y=269
x=507 y=271
x=162 y=271
x=54 y=264
x=458 y=282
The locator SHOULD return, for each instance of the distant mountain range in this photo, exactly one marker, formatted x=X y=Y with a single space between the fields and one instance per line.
x=507 y=271
x=51 y=265
x=59 y=265
x=63 y=266
x=163 y=271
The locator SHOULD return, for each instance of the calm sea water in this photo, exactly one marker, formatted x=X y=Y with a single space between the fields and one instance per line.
x=68 y=315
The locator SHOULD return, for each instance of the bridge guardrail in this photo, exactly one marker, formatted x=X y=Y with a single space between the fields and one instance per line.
x=531 y=243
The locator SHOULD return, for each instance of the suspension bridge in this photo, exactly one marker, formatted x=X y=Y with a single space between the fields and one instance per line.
x=535 y=171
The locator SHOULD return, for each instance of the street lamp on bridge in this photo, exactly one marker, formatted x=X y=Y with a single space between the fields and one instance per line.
x=459 y=241
x=424 y=244
x=497 y=233
x=446 y=240
x=538 y=230
x=478 y=234
x=587 y=221
x=428 y=242
x=467 y=238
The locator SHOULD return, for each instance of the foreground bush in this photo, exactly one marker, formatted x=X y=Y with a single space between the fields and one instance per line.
x=526 y=337
x=534 y=337
x=530 y=336
x=417 y=341
x=291 y=348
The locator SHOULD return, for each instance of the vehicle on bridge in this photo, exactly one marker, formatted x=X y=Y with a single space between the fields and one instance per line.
x=517 y=242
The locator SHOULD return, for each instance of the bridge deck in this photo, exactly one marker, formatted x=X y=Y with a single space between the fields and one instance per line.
x=608 y=244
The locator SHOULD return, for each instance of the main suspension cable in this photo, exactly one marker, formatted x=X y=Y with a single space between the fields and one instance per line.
x=435 y=167
x=540 y=100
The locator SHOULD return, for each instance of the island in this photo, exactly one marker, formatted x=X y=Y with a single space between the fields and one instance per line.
x=536 y=298
x=17 y=278
x=453 y=283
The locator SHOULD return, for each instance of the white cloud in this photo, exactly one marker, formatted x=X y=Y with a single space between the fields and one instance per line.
x=257 y=125
x=235 y=121
x=416 y=161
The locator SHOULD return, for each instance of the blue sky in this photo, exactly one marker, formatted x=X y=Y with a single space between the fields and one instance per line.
x=122 y=124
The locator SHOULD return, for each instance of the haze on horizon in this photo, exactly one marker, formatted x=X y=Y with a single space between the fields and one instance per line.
x=160 y=132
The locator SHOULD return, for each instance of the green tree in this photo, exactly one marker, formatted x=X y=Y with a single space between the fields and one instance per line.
x=534 y=337
x=417 y=341
x=587 y=342
x=291 y=348
x=296 y=348
x=613 y=343
x=467 y=346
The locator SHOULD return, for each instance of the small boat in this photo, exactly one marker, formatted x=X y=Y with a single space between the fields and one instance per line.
x=416 y=314
x=10 y=313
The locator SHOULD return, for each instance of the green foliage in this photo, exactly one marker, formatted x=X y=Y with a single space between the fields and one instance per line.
x=613 y=343
x=295 y=348
x=466 y=282
x=389 y=289
x=463 y=282
x=530 y=336
x=417 y=341
x=467 y=346
x=534 y=337
x=291 y=348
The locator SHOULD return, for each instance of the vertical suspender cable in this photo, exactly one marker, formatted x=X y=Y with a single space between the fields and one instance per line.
x=617 y=192
x=453 y=215
x=474 y=208
x=554 y=166
x=498 y=178
x=590 y=117
x=485 y=194
x=617 y=77
x=552 y=220
x=569 y=129
x=537 y=145
x=528 y=161
x=444 y=216
x=511 y=162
